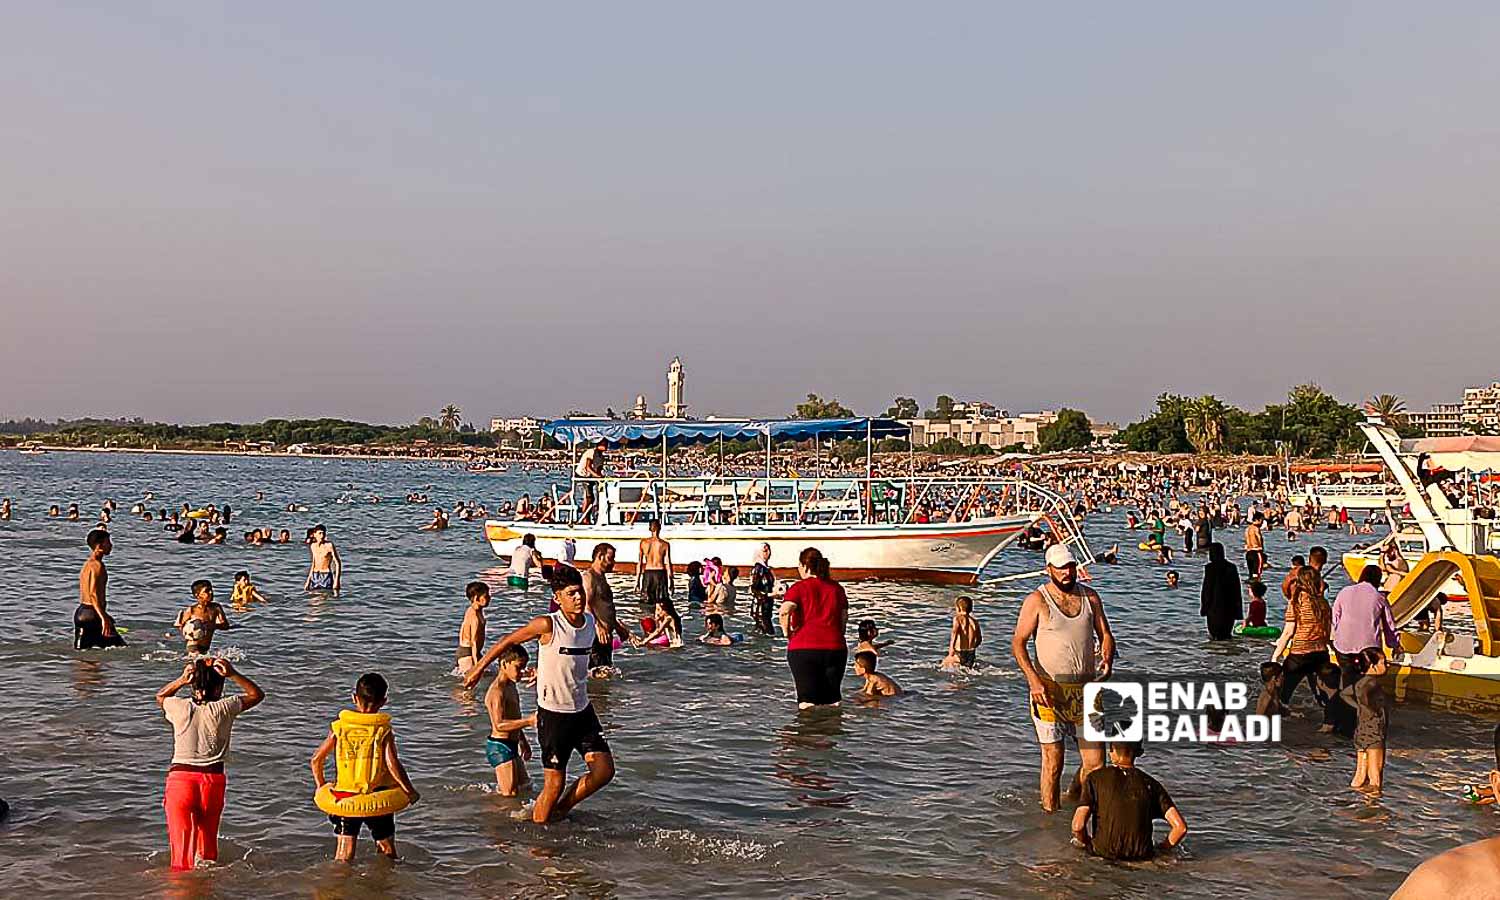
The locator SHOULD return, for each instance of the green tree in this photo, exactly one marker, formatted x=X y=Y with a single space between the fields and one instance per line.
x=1205 y=422
x=816 y=407
x=947 y=447
x=1315 y=423
x=1071 y=431
x=1161 y=432
x=450 y=417
x=902 y=408
x=1389 y=407
x=942 y=410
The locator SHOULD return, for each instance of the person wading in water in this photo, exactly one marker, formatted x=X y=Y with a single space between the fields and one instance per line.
x=1071 y=631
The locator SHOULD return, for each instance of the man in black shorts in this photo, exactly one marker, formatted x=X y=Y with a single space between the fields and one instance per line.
x=601 y=603
x=565 y=719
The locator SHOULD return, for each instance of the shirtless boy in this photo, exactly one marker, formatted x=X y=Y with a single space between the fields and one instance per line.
x=653 y=580
x=507 y=748
x=600 y=598
x=965 y=636
x=326 y=570
x=93 y=627
x=876 y=685
x=199 y=621
x=471 y=632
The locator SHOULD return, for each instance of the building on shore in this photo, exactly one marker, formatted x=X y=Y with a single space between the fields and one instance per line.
x=1482 y=407
x=676 y=406
x=993 y=432
x=522 y=425
x=1477 y=413
x=1443 y=420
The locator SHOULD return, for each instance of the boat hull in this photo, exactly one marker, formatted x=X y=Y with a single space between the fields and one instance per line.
x=939 y=553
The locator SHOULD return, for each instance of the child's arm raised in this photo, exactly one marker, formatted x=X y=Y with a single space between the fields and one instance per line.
x=320 y=756
x=533 y=630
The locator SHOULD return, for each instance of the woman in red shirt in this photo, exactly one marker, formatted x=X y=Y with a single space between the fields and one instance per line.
x=814 y=615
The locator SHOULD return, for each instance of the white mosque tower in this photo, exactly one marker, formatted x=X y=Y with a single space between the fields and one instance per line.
x=676 y=379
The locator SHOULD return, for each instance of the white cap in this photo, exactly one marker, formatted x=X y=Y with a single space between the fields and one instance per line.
x=1059 y=556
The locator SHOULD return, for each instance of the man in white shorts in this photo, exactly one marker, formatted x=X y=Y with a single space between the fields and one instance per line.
x=1073 y=646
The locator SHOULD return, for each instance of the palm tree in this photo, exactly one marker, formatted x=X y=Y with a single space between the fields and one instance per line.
x=1388 y=407
x=450 y=417
x=1204 y=421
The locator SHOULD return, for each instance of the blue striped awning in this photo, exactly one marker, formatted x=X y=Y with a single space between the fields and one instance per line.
x=648 y=432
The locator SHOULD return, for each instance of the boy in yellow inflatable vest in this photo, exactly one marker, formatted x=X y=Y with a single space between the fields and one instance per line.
x=372 y=785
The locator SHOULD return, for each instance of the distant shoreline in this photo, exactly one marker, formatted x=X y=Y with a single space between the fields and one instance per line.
x=256 y=454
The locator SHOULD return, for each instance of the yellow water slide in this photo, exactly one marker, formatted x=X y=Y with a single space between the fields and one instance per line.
x=1481 y=578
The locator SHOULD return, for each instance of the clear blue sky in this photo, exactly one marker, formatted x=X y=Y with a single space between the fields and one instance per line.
x=230 y=211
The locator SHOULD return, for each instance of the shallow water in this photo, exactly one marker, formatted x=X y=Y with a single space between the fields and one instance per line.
x=723 y=785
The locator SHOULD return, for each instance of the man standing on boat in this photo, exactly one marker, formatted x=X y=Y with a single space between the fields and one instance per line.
x=590 y=466
x=1073 y=646
x=653 y=578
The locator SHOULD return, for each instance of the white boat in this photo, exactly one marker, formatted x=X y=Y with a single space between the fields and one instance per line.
x=912 y=528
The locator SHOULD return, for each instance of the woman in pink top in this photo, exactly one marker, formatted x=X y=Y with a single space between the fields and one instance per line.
x=814 y=615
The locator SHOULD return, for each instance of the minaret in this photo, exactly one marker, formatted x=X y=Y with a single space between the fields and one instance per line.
x=641 y=410
x=675 y=408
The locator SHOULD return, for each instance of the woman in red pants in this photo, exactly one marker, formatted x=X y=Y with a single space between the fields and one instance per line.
x=195 y=782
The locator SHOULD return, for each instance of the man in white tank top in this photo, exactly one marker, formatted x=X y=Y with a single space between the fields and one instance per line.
x=1073 y=646
x=565 y=719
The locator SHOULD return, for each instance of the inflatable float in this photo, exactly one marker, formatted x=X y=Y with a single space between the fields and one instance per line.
x=363 y=781
x=1258 y=631
x=203 y=513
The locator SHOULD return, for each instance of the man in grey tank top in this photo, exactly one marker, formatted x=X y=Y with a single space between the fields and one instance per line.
x=1073 y=646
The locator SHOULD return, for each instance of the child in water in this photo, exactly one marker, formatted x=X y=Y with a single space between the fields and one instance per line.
x=666 y=624
x=868 y=631
x=244 y=592
x=965 y=636
x=876 y=685
x=507 y=748
x=1338 y=715
x=714 y=633
x=198 y=622
x=364 y=751
x=1369 y=700
x=1257 y=615
x=697 y=592
x=471 y=632
x=1271 y=678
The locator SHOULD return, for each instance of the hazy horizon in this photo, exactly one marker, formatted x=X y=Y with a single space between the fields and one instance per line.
x=219 y=212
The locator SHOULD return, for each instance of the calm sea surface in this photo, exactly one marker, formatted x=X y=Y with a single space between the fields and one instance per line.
x=723 y=787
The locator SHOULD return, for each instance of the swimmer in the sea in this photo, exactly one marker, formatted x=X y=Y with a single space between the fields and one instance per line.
x=868 y=632
x=439 y=520
x=965 y=636
x=244 y=591
x=713 y=624
x=199 y=621
x=507 y=748
x=471 y=632
x=325 y=571
x=876 y=685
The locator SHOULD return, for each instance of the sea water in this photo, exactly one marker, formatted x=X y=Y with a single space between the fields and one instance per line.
x=723 y=788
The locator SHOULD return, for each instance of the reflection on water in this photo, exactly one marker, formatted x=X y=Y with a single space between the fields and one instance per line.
x=724 y=787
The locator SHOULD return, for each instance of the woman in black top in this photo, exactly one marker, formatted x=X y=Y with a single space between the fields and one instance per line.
x=1220 y=602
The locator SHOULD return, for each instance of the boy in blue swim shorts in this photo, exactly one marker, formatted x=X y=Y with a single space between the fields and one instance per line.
x=507 y=748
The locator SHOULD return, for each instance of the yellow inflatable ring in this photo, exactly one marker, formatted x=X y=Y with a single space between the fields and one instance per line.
x=203 y=513
x=1148 y=546
x=376 y=803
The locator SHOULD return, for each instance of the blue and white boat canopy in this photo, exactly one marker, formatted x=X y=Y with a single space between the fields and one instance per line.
x=676 y=432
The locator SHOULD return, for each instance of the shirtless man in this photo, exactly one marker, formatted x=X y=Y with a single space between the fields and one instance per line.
x=653 y=578
x=590 y=465
x=324 y=574
x=1463 y=873
x=93 y=627
x=1255 y=547
x=438 y=523
x=601 y=602
x=1074 y=646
